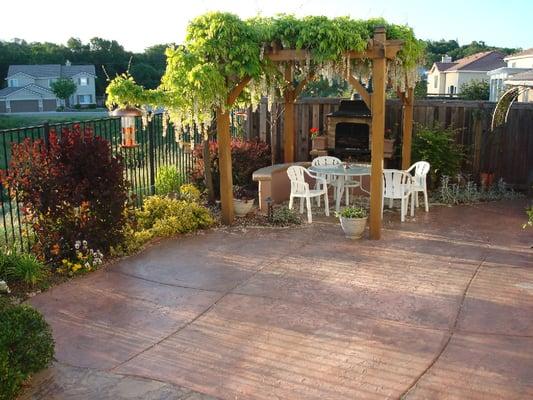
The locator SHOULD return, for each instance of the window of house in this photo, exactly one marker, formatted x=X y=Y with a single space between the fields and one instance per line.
x=13 y=83
x=85 y=99
x=50 y=81
x=436 y=82
x=452 y=89
x=84 y=81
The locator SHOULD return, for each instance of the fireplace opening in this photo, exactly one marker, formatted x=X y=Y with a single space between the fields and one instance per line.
x=352 y=139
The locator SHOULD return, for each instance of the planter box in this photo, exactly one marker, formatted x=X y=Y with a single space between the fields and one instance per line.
x=388 y=148
x=242 y=207
x=320 y=143
x=353 y=227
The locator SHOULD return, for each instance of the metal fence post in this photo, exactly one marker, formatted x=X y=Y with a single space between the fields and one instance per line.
x=151 y=155
x=46 y=130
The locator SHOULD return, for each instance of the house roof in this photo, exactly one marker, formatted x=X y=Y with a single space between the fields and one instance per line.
x=524 y=53
x=8 y=90
x=31 y=87
x=522 y=76
x=443 y=66
x=484 y=61
x=50 y=70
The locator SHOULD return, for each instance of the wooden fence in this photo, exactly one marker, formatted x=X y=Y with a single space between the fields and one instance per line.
x=507 y=152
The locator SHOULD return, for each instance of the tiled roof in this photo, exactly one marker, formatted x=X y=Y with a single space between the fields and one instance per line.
x=528 y=52
x=484 y=61
x=443 y=66
x=31 y=87
x=50 y=70
x=8 y=90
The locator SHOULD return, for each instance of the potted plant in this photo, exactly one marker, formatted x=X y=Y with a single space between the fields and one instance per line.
x=353 y=221
x=388 y=144
x=319 y=140
x=243 y=201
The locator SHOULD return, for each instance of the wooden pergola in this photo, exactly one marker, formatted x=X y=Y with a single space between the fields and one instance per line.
x=379 y=50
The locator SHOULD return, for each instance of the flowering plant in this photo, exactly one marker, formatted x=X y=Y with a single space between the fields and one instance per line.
x=86 y=259
x=315 y=132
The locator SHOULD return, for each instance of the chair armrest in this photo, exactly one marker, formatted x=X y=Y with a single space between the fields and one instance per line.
x=316 y=177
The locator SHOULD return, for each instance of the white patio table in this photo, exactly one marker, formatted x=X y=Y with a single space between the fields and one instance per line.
x=343 y=171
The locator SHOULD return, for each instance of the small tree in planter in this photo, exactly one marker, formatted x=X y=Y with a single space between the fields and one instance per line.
x=353 y=221
x=243 y=201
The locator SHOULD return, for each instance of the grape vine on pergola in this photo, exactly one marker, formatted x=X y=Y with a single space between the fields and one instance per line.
x=227 y=62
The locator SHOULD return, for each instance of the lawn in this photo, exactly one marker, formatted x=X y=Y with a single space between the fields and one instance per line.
x=19 y=121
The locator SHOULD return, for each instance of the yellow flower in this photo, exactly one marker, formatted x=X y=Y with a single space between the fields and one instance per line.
x=64 y=261
x=76 y=267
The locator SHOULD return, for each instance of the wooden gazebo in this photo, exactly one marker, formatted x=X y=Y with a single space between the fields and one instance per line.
x=379 y=50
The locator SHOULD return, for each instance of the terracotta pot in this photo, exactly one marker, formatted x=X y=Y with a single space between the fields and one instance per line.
x=388 y=148
x=320 y=143
x=242 y=207
x=487 y=179
x=353 y=227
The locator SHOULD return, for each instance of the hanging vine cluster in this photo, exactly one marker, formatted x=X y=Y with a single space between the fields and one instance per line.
x=220 y=50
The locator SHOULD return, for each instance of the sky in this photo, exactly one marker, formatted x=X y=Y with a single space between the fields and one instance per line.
x=497 y=23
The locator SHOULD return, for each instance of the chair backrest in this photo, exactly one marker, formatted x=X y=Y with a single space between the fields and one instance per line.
x=421 y=170
x=297 y=177
x=396 y=183
x=325 y=160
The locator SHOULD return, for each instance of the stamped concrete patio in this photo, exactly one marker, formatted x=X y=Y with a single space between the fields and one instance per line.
x=440 y=308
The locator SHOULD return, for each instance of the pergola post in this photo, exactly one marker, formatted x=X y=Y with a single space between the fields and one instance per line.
x=224 y=152
x=224 y=160
x=379 y=72
x=288 y=125
x=407 y=127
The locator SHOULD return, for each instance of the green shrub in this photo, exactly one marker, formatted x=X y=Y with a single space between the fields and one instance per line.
x=438 y=147
x=352 y=212
x=284 y=216
x=26 y=346
x=163 y=216
x=189 y=192
x=529 y=222
x=168 y=181
x=20 y=267
x=465 y=191
x=25 y=268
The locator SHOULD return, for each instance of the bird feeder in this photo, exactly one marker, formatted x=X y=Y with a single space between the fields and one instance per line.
x=127 y=123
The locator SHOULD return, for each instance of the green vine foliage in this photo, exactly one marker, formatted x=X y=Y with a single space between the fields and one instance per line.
x=220 y=50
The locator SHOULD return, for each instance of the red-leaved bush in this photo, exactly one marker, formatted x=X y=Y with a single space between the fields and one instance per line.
x=247 y=156
x=71 y=189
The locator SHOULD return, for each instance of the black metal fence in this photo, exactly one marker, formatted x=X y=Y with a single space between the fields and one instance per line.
x=142 y=163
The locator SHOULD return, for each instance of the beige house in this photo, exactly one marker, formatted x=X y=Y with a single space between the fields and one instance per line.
x=519 y=68
x=445 y=78
x=28 y=87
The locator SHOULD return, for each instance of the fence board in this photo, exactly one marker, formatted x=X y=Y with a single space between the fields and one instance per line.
x=508 y=152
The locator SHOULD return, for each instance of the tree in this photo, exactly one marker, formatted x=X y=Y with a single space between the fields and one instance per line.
x=63 y=88
x=475 y=90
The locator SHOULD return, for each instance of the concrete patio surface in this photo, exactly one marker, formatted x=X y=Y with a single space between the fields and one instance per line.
x=440 y=308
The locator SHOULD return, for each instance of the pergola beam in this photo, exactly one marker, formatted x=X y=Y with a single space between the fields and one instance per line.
x=367 y=98
x=373 y=51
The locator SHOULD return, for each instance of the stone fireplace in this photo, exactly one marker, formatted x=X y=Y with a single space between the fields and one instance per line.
x=349 y=130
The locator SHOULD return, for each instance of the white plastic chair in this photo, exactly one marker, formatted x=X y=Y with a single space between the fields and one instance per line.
x=421 y=169
x=300 y=188
x=330 y=179
x=398 y=185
